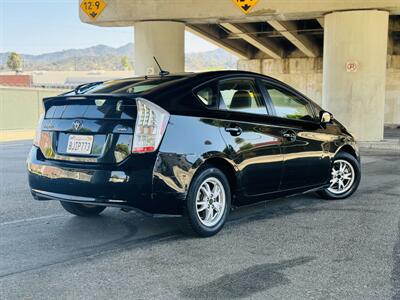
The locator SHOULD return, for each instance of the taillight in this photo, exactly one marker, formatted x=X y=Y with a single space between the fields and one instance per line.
x=38 y=133
x=150 y=126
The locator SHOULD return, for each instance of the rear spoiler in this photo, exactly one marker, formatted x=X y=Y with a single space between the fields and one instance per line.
x=82 y=98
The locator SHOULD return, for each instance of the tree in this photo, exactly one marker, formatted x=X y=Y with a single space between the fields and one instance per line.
x=126 y=64
x=14 y=61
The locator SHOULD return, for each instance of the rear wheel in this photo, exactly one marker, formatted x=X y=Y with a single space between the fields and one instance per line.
x=346 y=176
x=208 y=202
x=82 y=210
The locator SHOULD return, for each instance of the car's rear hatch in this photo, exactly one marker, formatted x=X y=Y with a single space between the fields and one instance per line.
x=88 y=128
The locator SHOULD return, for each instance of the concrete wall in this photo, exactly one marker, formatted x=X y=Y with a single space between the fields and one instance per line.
x=305 y=74
x=392 y=105
x=20 y=108
x=51 y=78
x=16 y=80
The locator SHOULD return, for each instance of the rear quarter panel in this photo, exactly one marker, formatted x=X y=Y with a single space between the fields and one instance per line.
x=187 y=144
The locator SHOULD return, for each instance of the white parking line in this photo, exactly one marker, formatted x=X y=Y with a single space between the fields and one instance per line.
x=4 y=146
x=31 y=219
x=10 y=145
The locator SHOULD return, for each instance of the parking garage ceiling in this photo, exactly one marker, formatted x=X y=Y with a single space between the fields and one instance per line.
x=272 y=29
x=278 y=39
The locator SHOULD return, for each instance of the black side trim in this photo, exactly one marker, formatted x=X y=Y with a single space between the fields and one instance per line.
x=45 y=196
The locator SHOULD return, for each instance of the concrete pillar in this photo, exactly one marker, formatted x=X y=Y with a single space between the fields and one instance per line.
x=162 y=39
x=354 y=71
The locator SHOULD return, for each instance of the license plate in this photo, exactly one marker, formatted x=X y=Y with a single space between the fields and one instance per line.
x=80 y=144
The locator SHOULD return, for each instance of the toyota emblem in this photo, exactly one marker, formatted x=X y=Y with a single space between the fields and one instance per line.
x=77 y=125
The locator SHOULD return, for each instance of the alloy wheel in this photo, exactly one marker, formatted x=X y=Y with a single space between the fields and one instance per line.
x=210 y=201
x=343 y=177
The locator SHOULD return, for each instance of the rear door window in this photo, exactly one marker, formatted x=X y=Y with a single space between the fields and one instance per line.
x=207 y=95
x=241 y=95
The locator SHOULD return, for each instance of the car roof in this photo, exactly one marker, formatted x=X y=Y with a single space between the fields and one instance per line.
x=207 y=75
x=174 y=91
x=177 y=95
x=178 y=81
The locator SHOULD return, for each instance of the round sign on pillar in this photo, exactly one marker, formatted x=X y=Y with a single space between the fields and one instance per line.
x=150 y=71
x=352 y=66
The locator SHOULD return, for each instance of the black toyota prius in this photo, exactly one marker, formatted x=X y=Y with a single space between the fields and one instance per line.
x=190 y=145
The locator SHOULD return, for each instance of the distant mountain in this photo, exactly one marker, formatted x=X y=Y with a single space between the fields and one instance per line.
x=107 y=58
x=210 y=60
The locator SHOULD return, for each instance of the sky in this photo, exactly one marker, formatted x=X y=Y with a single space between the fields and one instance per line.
x=43 y=26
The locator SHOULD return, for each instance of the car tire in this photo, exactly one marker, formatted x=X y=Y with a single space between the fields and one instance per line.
x=82 y=210
x=208 y=202
x=349 y=186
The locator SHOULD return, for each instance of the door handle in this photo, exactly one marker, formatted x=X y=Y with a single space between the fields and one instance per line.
x=290 y=135
x=234 y=130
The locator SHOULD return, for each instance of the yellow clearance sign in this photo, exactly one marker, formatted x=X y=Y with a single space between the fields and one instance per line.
x=93 y=8
x=245 y=5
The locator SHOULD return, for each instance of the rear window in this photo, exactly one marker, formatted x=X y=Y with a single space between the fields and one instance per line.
x=127 y=87
x=92 y=109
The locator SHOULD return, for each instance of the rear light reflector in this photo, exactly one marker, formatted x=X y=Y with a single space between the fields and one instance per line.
x=38 y=133
x=150 y=126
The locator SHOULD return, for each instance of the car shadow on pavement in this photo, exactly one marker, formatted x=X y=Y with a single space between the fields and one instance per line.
x=73 y=239
x=246 y=282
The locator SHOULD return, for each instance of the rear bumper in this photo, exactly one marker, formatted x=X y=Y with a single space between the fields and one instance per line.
x=45 y=196
x=126 y=186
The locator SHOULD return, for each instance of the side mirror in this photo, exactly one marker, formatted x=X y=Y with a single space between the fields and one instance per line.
x=326 y=117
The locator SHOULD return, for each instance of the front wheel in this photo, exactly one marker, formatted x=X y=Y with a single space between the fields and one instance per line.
x=345 y=177
x=208 y=202
x=82 y=210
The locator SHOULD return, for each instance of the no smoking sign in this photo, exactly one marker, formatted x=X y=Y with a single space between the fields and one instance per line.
x=352 y=66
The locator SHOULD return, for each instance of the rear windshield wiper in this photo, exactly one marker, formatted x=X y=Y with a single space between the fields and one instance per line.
x=84 y=87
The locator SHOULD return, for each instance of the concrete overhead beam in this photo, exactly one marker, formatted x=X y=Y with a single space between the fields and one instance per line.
x=303 y=43
x=126 y=12
x=321 y=21
x=270 y=50
x=210 y=33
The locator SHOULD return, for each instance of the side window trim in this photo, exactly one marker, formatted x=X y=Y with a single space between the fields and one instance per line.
x=286 y=90
x=221 y=104
x=266 y=98
x=213 y=84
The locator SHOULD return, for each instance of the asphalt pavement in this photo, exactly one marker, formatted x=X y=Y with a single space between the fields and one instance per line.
x=300 y=247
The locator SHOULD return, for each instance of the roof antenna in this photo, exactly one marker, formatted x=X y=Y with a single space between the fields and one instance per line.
x=162 y=72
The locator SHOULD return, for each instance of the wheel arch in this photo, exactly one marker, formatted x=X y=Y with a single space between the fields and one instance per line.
x=226 y=167
x=350 y=150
